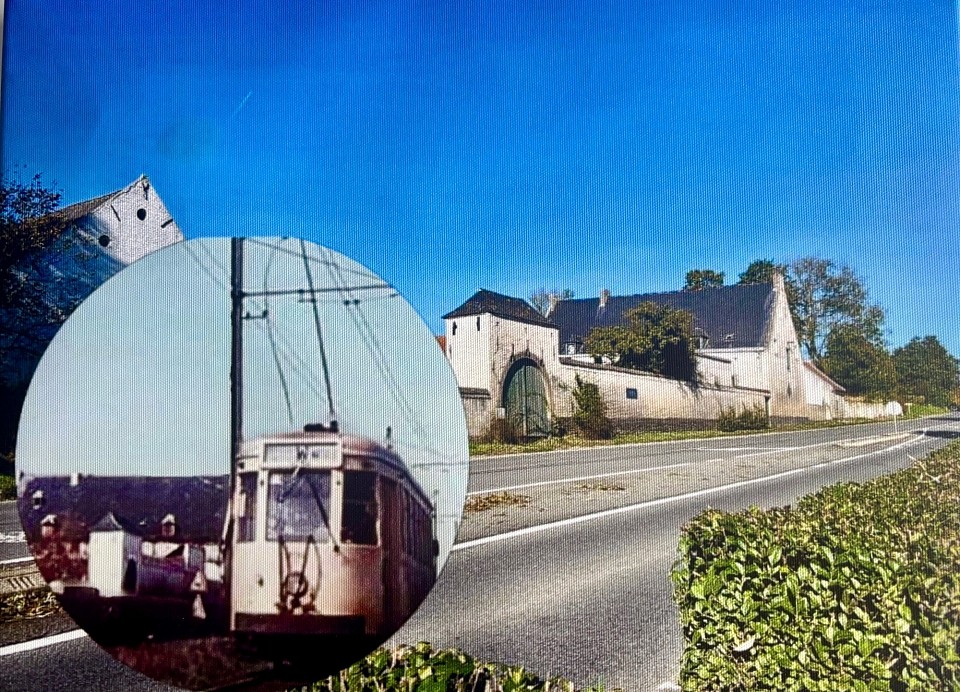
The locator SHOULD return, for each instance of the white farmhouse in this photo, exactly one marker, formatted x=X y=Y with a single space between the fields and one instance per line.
x=511 y=362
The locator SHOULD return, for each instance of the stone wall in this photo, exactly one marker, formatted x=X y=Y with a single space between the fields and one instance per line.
x=656 y=397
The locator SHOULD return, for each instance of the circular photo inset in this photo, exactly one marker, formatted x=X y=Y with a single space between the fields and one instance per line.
x=242 y=463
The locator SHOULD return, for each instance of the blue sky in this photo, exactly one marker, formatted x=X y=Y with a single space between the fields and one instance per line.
x=504 y=145
x=163 y=325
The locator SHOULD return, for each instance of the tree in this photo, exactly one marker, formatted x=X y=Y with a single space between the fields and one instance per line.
x=542 y=299
x=926 y=369
x=760 y=272
x=590 y=416
x=698 y=279
x=656 y=338
x=27 y=226
x=860 y=365
x=823 y=296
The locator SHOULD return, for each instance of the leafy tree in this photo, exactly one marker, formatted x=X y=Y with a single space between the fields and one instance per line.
x=823 y=296
x=656 y=338
x=760 y=272
x=698 y=279
x=542 y=299
x=27 y=226
x=860 y=365
x=926 y=369
x=590 y=416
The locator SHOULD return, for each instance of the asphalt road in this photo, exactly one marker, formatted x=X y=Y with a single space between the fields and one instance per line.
x=576 y=582
x=13 y=547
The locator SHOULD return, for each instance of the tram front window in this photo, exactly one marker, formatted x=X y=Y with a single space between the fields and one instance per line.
x=298 y=506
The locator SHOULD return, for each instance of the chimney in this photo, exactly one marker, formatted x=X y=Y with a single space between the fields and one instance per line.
x=776 y=278
x=604 y=297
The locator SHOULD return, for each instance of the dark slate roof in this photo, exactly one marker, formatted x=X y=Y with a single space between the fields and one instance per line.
x=740 y=311
x=488 y=302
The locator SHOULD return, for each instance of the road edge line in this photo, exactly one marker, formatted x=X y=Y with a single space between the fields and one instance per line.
x=516 y=533
x=33 y=644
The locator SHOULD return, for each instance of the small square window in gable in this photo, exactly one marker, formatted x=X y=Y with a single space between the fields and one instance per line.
x=632 y=393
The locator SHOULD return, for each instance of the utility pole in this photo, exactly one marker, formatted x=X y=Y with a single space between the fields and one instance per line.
x=236 y=413
x=236 y=356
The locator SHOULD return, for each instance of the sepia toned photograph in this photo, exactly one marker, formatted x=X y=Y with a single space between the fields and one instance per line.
x=252 y=487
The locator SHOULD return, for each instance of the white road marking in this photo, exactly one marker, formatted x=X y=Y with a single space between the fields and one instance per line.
x=13 y=537
x=674 y=498
x=34 y=644
x=16 y=560
x=578 y=478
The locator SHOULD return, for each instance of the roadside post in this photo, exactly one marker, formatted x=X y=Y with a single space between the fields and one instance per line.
x=893 y=408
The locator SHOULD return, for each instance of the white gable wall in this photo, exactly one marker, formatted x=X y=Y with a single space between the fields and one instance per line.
x=118 y=223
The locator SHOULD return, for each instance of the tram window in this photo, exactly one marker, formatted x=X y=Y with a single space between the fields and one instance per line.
x=246 y=522
x=298 y=506
x=359 y=508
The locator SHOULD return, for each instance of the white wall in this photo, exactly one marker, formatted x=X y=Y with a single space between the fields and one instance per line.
x=657 y=397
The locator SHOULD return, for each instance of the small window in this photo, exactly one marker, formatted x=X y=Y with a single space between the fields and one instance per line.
x=453 y=330
x=478 y=323
x=359 y=508
x=631 y=393
x=142 y=214
x=246 y=521
x=104 y=240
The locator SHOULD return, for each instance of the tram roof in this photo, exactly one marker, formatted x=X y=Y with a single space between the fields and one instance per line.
x=353 y=445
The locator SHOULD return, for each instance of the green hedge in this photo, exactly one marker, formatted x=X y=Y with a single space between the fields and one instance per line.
x=420 y=668
x=748 y=419
x=857 y=588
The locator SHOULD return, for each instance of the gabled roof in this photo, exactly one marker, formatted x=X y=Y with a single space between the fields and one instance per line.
x=111 y=522
x=488 y=302
x=728 y=316
x=78 y=210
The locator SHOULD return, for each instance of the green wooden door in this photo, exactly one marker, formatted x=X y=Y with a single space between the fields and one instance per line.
x=525 y=400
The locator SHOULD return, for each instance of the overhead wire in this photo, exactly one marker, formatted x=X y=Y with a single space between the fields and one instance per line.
x=319 y=331
x=270 y=337
x=295 y=361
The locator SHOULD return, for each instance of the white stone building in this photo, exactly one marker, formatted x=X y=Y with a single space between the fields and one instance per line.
x=511 y=362
x=100 y=237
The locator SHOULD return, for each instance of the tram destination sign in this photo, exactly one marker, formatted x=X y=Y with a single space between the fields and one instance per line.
x=315 y=455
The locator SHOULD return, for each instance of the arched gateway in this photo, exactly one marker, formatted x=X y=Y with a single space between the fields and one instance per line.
x=525 y=399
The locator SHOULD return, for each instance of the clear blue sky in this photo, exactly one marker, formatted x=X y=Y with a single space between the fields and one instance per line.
x=506 y=145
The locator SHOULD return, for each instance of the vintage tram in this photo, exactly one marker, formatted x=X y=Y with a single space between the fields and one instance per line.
x=331 y=539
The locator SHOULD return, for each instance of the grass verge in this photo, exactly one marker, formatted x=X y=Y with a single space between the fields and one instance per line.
x=551 y=444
